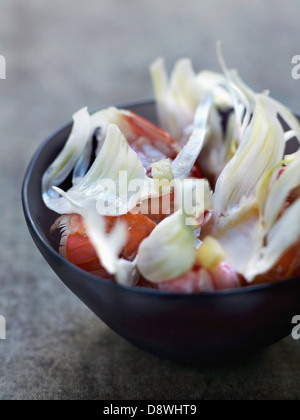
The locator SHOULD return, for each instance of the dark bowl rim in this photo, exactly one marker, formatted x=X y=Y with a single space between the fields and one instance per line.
x=105 y=282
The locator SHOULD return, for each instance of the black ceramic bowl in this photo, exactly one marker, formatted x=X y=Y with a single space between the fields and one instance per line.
x=198 y=328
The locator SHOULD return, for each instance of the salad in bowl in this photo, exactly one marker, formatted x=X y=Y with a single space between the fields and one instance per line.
x=209 y=200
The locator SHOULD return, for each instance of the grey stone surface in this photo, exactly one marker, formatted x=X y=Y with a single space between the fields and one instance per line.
x=62 y=55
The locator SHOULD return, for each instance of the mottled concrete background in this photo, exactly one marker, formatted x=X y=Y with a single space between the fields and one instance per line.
x=62 y=55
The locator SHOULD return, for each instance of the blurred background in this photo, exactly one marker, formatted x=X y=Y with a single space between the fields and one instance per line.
x=61 y=56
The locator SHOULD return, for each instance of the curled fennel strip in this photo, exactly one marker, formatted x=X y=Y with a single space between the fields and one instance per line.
x=109 y=247
x=111 y=179
x=262 y=147
x=178 y=97
x=187 y=157
x=284 y=234
x=65 y=161
x=279 y=193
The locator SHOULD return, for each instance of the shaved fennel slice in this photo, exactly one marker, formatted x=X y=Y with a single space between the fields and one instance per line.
x=279 y=193
x=175 y=98
x=102 y=119
x=284 y=234
x=248 y=93
x=169 y=251
x=185 y=160
x=127 y=272
x=261 y=149
x=191 y=88
x=246 y=97
x=109 y=246
x=263 y=186
x=233 y=94
x=210 y=82
x=287 y=116
x=66 y=160
x=182 y=82
x=159 y=79
x=231 y=143
x=240 y=234
x=289 y=135
x=278 y=107
x=112 y=179
x=178 y=97
x=83 y=162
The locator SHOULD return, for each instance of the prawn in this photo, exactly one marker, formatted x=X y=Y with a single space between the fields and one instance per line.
x=77 y=248
x=200 y=280
x=152 y=143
